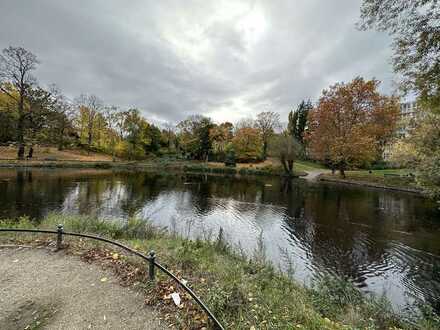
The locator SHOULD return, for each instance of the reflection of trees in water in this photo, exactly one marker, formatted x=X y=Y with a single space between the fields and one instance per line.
x=349 y=235
x=23 y=193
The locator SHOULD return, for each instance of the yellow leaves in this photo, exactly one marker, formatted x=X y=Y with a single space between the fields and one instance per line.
x=104 y=279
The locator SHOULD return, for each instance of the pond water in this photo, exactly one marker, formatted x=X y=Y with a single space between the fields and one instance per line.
x=387 y=243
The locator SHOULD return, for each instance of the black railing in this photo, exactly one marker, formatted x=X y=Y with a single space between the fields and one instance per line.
x=151 y=258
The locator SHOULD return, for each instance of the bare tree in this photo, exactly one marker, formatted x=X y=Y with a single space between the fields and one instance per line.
x=244 y=123
x=267 y=122
x=16 y=65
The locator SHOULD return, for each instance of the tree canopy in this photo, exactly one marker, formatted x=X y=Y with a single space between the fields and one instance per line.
x=414 y=27
x=351 y=124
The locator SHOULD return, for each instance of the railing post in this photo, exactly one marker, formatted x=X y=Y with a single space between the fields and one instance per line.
x=151 y=259
x=60 y=231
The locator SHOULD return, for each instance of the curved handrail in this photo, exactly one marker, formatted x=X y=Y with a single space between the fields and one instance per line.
x=150 y=258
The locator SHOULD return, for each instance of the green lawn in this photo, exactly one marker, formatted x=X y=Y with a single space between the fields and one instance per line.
x=304 y=166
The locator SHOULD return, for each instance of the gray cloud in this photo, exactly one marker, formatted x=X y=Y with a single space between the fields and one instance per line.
x=226 y=59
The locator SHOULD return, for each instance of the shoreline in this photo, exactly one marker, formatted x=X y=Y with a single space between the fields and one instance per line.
x=200 y=168
x=326 y=178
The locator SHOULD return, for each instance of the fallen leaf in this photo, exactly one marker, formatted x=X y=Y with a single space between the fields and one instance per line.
x=104 y=279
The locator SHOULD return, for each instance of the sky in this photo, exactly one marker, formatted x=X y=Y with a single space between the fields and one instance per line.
x=224 y=59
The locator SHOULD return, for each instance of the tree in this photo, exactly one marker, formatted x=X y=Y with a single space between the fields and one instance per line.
x=267 y=122
x=247 y=144
x=89 y=109
x=194 y=136
x=111 y=115
x=298 y=121
x=220 y=136
x=413 y=24
x=421 y=150
x=169 y=134
x=16 y=65
x=8 y=118
x=61 y=116
x=287 y=149
x=135 y=126
x=351 y=123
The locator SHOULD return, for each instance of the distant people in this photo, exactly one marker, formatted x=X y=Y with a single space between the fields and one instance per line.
x=31 y=153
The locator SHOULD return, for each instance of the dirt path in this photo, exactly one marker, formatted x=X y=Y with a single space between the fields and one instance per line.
x=313 y=175
x=42 y=289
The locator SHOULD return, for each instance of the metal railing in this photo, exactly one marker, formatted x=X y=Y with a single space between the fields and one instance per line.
x=151 y=258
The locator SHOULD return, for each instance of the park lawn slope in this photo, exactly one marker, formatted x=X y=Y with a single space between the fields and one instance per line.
x=244 y=293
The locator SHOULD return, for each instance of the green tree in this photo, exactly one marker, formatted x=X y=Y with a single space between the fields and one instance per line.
x=194 y=136
x=414 y=26
x=298 y=121
x=287 y=149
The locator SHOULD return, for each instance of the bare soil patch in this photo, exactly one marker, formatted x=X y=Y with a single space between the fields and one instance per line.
x=42 y=153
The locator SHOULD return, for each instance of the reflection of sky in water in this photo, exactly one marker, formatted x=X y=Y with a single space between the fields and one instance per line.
x=375 y=238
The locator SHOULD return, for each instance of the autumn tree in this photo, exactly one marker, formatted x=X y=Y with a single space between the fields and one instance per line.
x=89 y=109
x=16 y=80
x=247 y=144
x=8 y=117
x=267 y=122
x=351 y=123
x=414 y=27
x=220 y=136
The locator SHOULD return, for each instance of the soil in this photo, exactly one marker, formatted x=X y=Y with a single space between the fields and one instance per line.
x=40 y=289
x=51 y=153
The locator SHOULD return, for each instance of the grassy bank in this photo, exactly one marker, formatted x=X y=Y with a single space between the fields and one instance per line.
x=397 y=179
x=244 y=293
x=268 y=170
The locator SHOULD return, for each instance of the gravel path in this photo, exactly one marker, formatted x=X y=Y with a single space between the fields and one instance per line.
x=43 y=289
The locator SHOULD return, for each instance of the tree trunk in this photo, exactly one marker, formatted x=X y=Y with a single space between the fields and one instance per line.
x=20 y=129
x=284 y=162
x=342 y=171
x=264 y=150
x=290 y=163
x=61 y=139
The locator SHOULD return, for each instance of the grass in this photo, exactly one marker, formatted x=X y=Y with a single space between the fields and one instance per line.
x=304 y=166
x=244 y=293
x=267 y=170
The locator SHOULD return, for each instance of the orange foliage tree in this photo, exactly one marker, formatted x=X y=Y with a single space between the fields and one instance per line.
x=247 y=144
x=351 y=124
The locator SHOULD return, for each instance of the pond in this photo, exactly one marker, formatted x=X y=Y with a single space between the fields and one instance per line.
x=387 y=243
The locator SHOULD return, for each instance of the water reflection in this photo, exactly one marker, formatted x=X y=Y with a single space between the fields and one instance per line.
x=385 y=242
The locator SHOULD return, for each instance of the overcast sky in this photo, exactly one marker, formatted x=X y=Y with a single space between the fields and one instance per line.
x=223 y=59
